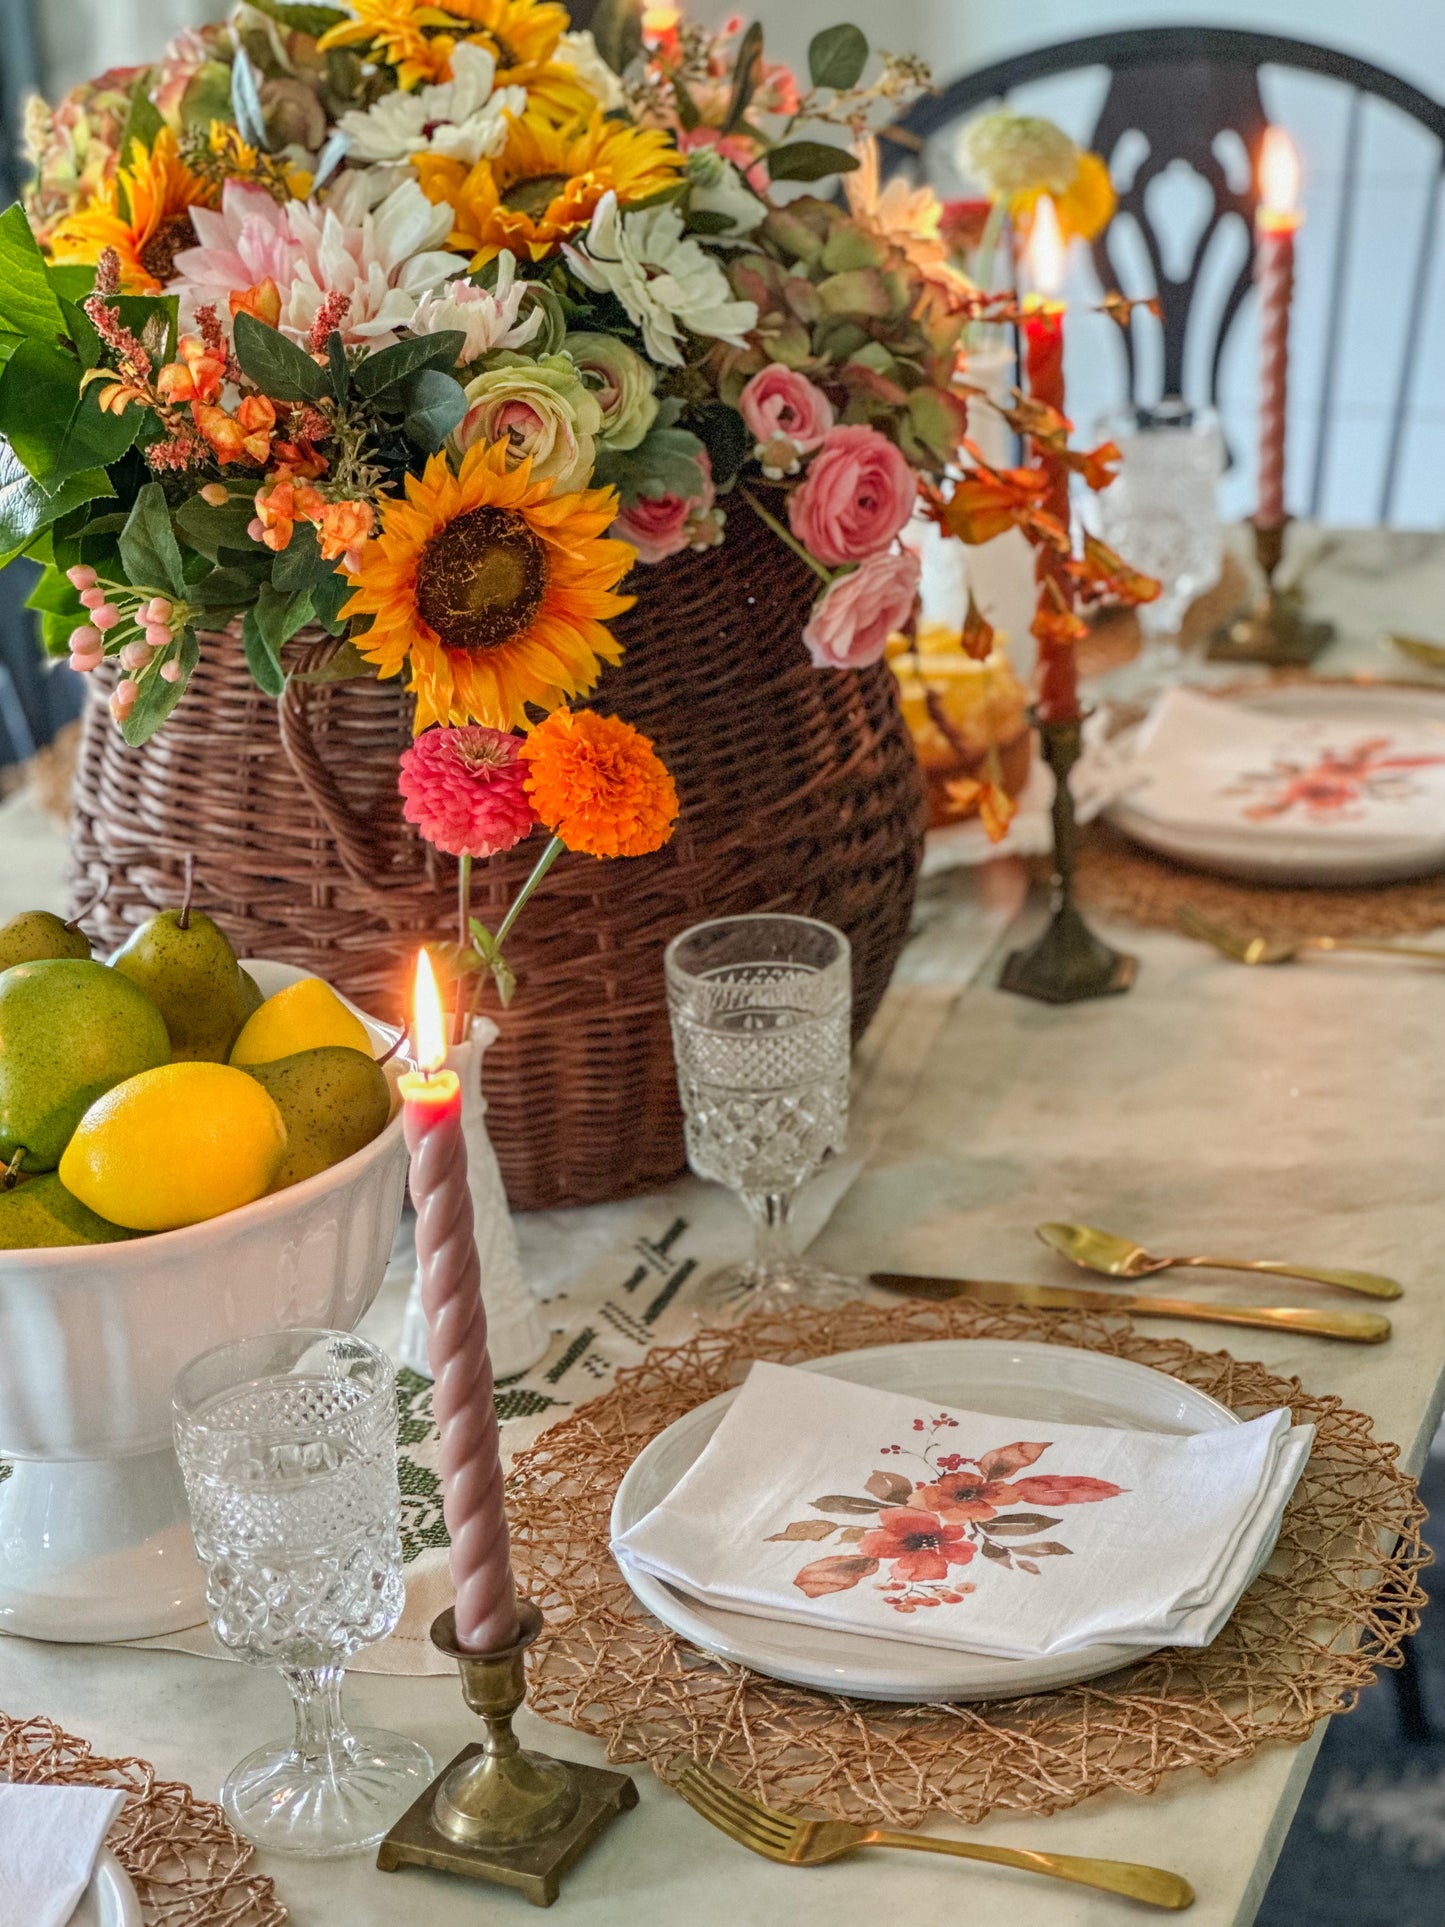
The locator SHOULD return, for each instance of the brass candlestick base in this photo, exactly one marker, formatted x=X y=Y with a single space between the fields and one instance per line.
x=1276 y=630
x=495 y=1812
x=1068 y=963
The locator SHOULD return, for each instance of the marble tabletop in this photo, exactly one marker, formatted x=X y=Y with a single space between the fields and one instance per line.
x=1292 y=1111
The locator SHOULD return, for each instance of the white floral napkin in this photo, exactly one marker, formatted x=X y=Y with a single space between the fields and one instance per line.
x=1201 y=762
x=50 y=1837
x=835 y=1505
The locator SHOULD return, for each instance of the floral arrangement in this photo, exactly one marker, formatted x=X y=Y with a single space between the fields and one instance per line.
x=425 y=322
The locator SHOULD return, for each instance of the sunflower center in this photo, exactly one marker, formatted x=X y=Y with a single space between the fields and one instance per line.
x=481 y=579
x=535 y=194
x=158 y=256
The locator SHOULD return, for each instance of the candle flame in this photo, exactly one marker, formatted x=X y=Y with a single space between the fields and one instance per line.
x=1279 y=172
x=659 y=21
x=1045 y=254
x=428 y=1031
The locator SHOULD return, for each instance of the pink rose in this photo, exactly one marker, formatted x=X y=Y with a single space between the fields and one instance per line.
x=856 y=496
x=658 y=526
x=854 y=617
x=780 y=405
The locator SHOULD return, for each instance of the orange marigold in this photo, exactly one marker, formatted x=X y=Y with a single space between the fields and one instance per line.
x=599 y=785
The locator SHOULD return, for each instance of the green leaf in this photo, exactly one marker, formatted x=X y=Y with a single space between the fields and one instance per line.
x=71 y=280
x=212 y=529
x=746 y=75
x=347 y=665
x=725 y=435
x=25 y=508
x=809 y=161
x=837 y=57
x=302 y=19
x=299 y=564
x=617 y=30
x=665 y=462
x=158 y=697
x=328 y=595
x=56 y=593
x=435 y=403
x=706 y=220
x=149 y=552
x=277 y=366
x=339 y=366
x=28 y=304
x=228 y=589
x=266 y=629
x=382 y=371
x=64 y=431
x=142 y=121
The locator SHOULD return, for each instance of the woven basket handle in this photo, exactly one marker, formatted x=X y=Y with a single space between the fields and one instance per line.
x=356 y=848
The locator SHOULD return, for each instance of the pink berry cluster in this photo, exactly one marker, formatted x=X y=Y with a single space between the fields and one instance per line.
x=139 y=629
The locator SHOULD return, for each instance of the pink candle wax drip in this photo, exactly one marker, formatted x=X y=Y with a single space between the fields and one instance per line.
x=451 y=1290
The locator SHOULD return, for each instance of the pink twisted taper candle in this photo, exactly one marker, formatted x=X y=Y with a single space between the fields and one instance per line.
x=1276 y=224
x=451 y=1290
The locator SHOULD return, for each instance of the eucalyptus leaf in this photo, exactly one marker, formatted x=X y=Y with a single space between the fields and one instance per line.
x=435 y=404
x=809 y=161
x=277 y=366
x=157 y=697
x=149 y=552
x=746 y=75
x=302 y=19
x=392 y=365
x=338 y=364
x=29 y=305
x=837 y=57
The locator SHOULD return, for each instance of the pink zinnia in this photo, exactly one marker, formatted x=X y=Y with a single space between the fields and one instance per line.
x=465 y=790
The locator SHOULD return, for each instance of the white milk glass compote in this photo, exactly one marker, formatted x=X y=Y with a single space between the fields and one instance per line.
x=1161 y=513
x=761 y=1011
x=287 y=1443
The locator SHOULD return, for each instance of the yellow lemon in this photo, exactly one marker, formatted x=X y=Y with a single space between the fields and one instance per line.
x=304 y=1016
x=175 y=1145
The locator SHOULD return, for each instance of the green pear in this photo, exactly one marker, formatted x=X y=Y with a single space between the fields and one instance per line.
x=252 y=995
x=333 y=1099
x=34 y=934
x=186 y=966
x=70 y=1029
x=42 y=1212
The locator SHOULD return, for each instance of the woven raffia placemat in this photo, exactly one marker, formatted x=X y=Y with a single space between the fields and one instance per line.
x=189 y=1867
x=1339 y=1598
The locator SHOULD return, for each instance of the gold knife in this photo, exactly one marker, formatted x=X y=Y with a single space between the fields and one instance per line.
x=1359 y=1327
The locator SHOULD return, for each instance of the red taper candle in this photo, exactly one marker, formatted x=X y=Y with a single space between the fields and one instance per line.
x=451 y=1292
x=1043 y=327
x=1276 y=224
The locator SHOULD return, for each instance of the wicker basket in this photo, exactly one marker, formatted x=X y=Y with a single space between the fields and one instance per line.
x=800 y=791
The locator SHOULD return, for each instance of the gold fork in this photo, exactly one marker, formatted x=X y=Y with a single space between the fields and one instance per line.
x=1278 y=950
x=812 y=1843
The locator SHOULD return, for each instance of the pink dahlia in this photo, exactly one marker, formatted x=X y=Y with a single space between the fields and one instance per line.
x=465 y=790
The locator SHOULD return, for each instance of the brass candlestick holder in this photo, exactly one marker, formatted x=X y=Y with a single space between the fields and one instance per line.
x=1275 y=630
x=1068 y=963
x=495 y=1812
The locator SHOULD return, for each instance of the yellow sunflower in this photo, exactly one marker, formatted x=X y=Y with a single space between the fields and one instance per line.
x=417 y=39
x=545 y=184
x=144 y=214
x=493 y=588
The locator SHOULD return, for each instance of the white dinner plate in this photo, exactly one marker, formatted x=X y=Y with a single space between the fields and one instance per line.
x=1271 y=852
x=110 y=1900
x=1013 y=1379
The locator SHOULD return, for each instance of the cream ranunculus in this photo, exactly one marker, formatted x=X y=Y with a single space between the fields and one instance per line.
x=541 y=409
x=1018 y=154
x=663 y=278
x=489 y=320
x=623 y=384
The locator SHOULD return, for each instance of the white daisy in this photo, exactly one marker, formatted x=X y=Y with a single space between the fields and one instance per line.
x=463 y=119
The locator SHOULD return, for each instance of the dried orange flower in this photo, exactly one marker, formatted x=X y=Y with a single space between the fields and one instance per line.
x=598 y=784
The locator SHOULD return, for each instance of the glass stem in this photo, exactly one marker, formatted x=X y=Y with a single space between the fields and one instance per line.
x=771 y=1213
x=323 y=1741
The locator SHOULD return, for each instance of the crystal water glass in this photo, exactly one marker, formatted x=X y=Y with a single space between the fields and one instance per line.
x=761 y=1010
x=287 y=1444
x=1161 y=513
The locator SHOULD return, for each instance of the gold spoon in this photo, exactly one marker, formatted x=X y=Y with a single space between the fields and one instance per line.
x=1118 y=1258
x=1432 y=654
